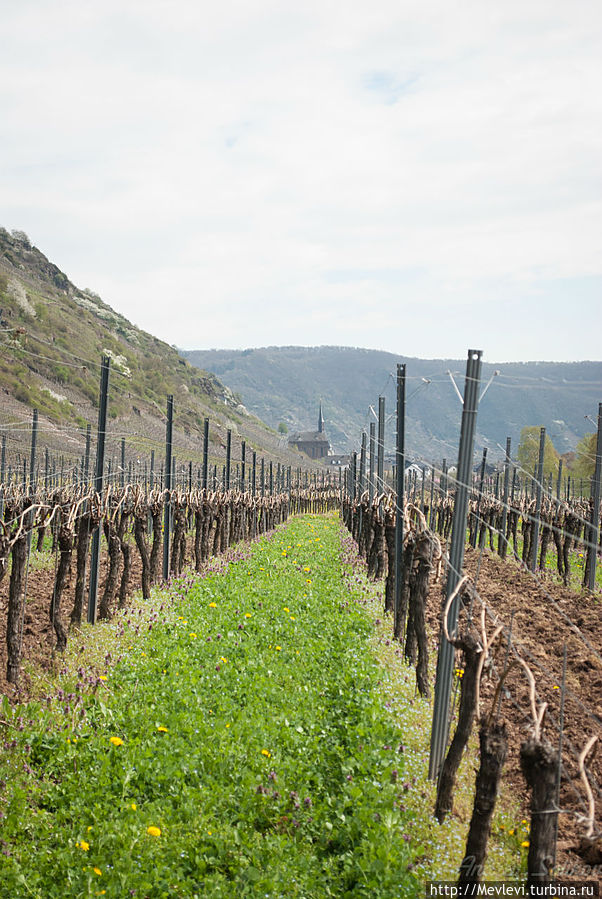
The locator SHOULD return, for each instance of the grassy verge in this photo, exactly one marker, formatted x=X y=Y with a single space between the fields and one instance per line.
x=439 y=849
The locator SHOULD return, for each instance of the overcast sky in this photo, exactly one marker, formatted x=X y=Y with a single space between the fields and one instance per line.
x=417 y=176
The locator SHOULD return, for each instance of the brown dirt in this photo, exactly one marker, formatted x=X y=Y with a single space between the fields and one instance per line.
x=539 y=632
x=38 y=633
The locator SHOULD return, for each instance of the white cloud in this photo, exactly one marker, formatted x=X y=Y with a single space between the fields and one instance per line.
x=267 y=172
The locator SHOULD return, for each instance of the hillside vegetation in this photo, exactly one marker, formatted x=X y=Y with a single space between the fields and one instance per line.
x=285 y=384
x=53 y=336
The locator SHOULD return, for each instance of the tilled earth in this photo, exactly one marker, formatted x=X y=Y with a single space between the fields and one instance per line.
x=540 y=617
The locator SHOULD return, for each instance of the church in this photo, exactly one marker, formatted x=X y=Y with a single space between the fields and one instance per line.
x=313 y=443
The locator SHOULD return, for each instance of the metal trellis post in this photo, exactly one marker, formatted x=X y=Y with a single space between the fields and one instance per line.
x=538 y=488
x=595 y=521
x=168 y=486
x=205 y=452
x=98 y=481
x=400 y=460
x=445 y=659
x=380 y=472
x=503 y=542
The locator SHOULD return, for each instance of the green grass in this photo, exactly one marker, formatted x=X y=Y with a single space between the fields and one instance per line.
x=254 y=738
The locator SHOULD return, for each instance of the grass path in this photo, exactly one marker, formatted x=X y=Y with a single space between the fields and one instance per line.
x=238 y=748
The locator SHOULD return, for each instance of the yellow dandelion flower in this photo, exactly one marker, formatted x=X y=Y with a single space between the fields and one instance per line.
x=292 y=617
x=133 y=806
x=286 y=609
x=193 y=635
x=116 y=741
x=307 y=569
x=525 y=844
x=248 y=615
x=97 y=871
x=83 y=845
x=267 y=753
x=223 y=659
x=101 y=677
x=153 y=831
x=213 y=605
x=511 y=832
x=164 y=730
x=278 y=648
x=227 y=725
x=209 y=832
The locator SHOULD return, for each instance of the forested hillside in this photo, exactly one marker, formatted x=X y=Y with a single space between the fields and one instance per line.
x=285 y=384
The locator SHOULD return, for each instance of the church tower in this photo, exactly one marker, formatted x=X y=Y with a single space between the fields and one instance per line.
x=313 y=443
x=320 y=421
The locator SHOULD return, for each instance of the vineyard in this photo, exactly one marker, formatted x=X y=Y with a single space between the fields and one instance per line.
x=490 y=590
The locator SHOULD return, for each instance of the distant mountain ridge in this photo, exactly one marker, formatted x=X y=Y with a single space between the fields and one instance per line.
x=286 y=384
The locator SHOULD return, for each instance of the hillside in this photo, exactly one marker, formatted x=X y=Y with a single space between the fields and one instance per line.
x=52 y=338
x=287 y=383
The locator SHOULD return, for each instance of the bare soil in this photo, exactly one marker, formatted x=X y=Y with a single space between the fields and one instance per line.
x=38 y=633
x=533 y=608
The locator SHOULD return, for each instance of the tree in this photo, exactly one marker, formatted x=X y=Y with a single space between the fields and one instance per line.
x=21 y=237
x=528 y=452
x=583 y=466
x=282 y=428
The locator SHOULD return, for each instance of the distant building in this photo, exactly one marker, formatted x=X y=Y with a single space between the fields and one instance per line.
x=313 y=443
x=338 y=460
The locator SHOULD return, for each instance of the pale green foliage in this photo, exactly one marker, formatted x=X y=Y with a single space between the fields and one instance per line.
x=583 y=466
x=528 y=452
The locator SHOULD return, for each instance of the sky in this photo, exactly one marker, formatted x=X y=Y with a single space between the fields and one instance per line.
x=416 y=176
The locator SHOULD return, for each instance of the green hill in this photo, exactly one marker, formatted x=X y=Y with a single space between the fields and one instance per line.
x=287 y=383
x=52 y=338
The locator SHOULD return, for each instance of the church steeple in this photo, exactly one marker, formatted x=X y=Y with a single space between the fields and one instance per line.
x=320 y=421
